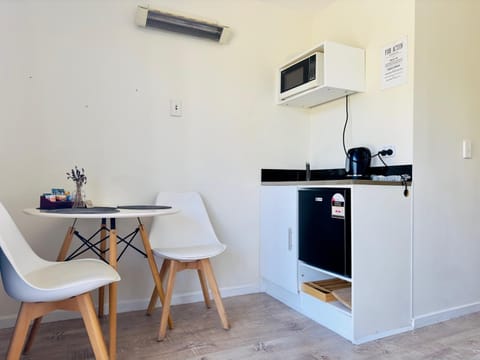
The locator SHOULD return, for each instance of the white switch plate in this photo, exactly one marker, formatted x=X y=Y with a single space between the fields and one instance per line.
x=467 y=149
x=176 y=108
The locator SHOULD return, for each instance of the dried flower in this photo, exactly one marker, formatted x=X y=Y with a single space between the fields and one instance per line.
x=78 y=176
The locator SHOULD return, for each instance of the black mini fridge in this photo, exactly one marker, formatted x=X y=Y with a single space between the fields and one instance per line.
x=325 y=229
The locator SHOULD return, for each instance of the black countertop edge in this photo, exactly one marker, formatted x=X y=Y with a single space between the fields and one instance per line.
x=271 y=175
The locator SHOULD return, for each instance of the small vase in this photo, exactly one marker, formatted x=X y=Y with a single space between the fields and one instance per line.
x=79 y=197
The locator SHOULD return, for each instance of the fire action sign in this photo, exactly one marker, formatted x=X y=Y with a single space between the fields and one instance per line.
x=338 y=206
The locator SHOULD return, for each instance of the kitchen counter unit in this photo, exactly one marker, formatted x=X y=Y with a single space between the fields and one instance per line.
x=380 y=253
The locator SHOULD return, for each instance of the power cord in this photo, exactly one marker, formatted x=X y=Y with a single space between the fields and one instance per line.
x=379 y=154
x=405 y=178
x=345 y=127
x=344 y=130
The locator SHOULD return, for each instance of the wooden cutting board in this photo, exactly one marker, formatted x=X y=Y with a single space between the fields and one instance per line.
x=344 y=295
x=322 y=289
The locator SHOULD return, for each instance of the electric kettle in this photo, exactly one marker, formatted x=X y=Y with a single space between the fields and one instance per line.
x=357 y=163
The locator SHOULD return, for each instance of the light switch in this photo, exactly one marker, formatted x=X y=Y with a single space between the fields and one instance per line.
x=467 y=149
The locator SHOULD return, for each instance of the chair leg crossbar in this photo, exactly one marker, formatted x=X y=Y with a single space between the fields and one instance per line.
x=205 y=273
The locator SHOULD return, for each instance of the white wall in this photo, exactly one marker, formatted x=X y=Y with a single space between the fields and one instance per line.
x=446 y=231
x=82 y=85
x=377 y=117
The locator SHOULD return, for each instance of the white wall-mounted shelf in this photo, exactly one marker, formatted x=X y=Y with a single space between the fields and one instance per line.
x=343 y=74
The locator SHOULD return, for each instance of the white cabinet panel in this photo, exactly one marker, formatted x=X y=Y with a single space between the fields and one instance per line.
x=278 y=233
x=381 y=260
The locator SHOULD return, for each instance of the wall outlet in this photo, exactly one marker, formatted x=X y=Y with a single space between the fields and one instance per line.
x=176 y=108
x=387 y=151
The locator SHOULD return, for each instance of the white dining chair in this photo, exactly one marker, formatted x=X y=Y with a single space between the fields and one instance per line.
x=45 y=286
x=185 y=240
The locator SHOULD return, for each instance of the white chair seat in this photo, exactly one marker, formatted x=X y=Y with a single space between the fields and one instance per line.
x=190 y=253
x=52 y=281
x=61 y=280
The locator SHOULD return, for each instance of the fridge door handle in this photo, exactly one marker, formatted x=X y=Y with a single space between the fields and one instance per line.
x=290 y=243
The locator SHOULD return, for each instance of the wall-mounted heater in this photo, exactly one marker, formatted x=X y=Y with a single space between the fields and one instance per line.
x=146 y=17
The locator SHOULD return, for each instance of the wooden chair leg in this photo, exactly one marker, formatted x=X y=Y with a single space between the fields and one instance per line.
x=207 y=268
x=203 y=283
x=162 y=332
x=31 y=335
x=24 y=317
x=87 y=309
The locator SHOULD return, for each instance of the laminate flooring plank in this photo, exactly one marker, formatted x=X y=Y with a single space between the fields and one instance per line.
x=262 y=329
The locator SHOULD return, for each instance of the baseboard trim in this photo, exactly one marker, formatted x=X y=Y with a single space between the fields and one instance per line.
x=8 y=321
x=381 y=335
x=288 y=298
x=444 y=315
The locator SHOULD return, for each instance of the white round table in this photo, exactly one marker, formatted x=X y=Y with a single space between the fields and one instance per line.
x=112 y=238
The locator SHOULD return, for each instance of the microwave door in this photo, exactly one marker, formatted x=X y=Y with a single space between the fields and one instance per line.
x=298 y=77
x=295 y=75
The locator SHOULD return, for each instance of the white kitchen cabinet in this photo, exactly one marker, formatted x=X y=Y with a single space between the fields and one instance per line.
x=343 y=74
x=381 y=261
x=279 y=245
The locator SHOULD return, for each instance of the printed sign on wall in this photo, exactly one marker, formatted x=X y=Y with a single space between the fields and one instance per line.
x=394 y=64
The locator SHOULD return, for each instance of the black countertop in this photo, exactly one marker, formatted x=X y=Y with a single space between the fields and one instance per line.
x=292 y=175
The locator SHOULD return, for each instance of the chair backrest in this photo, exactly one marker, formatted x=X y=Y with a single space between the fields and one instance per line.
x=191 y=226
x=17 y=258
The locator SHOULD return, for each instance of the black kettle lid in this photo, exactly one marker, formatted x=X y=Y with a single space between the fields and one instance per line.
x=360 y=151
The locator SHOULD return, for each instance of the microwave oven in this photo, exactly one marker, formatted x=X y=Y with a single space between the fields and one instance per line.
x=299 y=76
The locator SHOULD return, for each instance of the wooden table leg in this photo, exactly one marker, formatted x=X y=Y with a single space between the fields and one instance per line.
x=67 y=241
x=154 y=297
x=153 y=268
x=103 y=246
x=62 y=254
x=112 y=293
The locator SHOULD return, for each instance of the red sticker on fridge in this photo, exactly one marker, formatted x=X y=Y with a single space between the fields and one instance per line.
x=338 y=206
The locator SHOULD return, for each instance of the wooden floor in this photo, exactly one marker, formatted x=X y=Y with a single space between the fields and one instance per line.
x=262 y=328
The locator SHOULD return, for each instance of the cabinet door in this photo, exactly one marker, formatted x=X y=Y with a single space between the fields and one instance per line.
x=278 y=236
